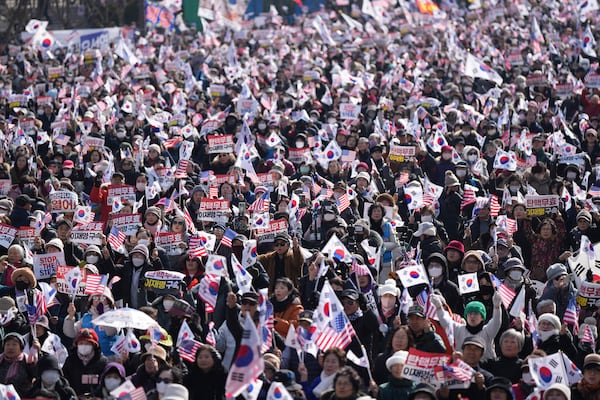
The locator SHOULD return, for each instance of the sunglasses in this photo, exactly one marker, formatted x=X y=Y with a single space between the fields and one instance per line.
x=280 y=244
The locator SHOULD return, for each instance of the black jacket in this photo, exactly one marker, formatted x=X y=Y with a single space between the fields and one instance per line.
x=122 y=289
x=556 y=343
x=82 y=377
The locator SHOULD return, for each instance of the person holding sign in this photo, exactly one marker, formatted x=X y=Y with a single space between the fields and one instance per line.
x=130 y=288
x=99 y=193
x=546 y=245
x=73 y=253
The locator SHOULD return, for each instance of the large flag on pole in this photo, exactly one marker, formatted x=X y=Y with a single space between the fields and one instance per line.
x=248 y=363
x=477 y=69
x=335 y=329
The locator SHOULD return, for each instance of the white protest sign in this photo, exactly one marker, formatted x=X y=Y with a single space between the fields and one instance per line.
x=63 y=201
x=7 y=235
x=88 y=234
x=127 y=223
x=44 y=265
x=349 y=111
x=170 y=242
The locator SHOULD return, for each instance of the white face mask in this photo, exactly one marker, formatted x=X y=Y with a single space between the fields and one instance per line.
x=514 y=188
x=545 y=335
x=161 y=387
x=461 y=173
x=121 y=134
x=571 y=175
x=50 y=377
x=494 y=115
x=435 y=272
x=92 y=259
x=140 y=187
x=515 y=275
x=527 y=378
x=329 y=217
x=447 y=156
x=299 y=144
x=262 y=127
x=67 y=172
x=129 y=124
x=111 y=383
x=168 y=304
x=137 y=261
x=331 y=121
x=145 y=242
x=472 y=157
x=85 y=349
x=426 y=218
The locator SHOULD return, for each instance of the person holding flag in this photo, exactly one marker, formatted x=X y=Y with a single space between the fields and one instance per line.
x=559 y=288
x=206 y=376
x=285 y=260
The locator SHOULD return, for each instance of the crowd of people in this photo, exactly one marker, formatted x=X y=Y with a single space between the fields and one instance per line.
x=437 y=172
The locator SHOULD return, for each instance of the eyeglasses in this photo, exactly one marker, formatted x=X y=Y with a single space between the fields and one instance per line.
x=165 y=380
x=280 y=244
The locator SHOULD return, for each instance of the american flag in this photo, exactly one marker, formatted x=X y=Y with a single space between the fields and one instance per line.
x=459 y=370
x=135 y=394
x=187 y=349
x=213 y=192
x=506 y=224
x=116 y=237
x=403 y=179
x=261 y=204
x=494 y=205
x=506 y=294
x=316 y=188
x=338 y=333
x=228 y=236
x=38 y=309
x=594 y=191
x=424 y=301
x=343 y=202
x=172 y=142
x=197 y=251
x=181 y=171
x=95 y=284
x=571 y=316
x=588 y=336
x=468 y=198
x=189 y=221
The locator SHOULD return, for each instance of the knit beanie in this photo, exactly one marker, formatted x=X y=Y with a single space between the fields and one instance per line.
x=475 y=307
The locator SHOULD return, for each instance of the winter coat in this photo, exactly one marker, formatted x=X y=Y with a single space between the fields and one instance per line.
x=293 y=262
x=84 y=378
x=206 y=385
x=396 y=389
x=289 y=316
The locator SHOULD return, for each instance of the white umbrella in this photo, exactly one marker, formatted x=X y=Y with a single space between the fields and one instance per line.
x=125 y=318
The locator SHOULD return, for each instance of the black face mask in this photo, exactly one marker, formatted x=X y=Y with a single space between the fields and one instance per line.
x=486 y=290
x=20 y=285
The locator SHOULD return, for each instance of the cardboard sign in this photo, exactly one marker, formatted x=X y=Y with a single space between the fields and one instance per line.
x=401 y=153
x=214 y=210
x=7 y=235
x=124 y=192
x=128 y=223
x=564 y=90
x=420 y=366
x=542 y=205
x=63 y=286
x=88 y=234
x=27 y=235
x=63 y=201
x=5 y=185
x=267 y=235
x=216 y=90
x=220 y=144
x=297 y=156
x=163 y=281
x=44 y=265
x=349 y=111
x=170 y=242
x=592 y=80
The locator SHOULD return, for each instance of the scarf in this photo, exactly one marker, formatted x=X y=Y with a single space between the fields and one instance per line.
x=356 y=315
x=325 y=384
x=590 y=392
x=14 y=365
x=281 y=306
x=474 y=330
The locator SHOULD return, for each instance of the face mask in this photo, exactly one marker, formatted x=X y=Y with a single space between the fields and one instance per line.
x=447 y=156
x=168 y=304
x=466 y=133
x=121 y=135
x=491 y=132
x=129 y=124
x=344 y=100
x=67 y=172
x=161 y=387
x=140 y=187
x=435 y=272
x=92 y=259
x=331 y=120
x=50 y=377
x=494 y=115
x=472 y=157
x=329 y=217
x=514 y=188
x=145 y=242
x=388 y=302
x=299 y=144
x=461 y=173
x=545 y=335
x=305 y=170
x=137 y=261
x=20 y=285
x=426 y=218
x=111 y=383
x=262 y=127
x=571 y=175
x=85 y=349
x=515 y=275
x=467 y=89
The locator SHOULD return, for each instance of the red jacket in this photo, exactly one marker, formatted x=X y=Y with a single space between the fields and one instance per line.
x=100 y=195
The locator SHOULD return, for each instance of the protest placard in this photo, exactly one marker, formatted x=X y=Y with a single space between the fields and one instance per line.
x=5 y=185
x=163 y=281
x=63 y=286
x=7 y=235
x=27 y=235
x=128 y=223
x=220 y=144
x=63 y=201
x=88 y=234
x=420 y=366
x=126 y=193
x=214 y=210
x=170 y=242
x=401 y=153
x=44 y=265
x=349 y=111
x=541 y=205
x=267 y=234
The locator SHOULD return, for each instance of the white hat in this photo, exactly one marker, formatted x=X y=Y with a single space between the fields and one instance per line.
x=389 y=287
x=561 y=388
x=175 y=391
x=426 y=228
x=398 y=357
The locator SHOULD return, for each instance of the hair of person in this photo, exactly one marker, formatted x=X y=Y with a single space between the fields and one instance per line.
x=512 y=333
x=352 y=375
x=337 y=352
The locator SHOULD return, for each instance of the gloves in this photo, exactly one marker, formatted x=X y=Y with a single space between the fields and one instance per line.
x=436 y=301
x=497 y=300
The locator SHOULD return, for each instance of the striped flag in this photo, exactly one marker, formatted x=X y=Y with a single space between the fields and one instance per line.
x=588 y=336
x=494 y=205
x=506 y=224
x=116 y=237
x=594 y=191
x=228 y=236
x=335 y=328
x=189 y=221
x=468 y=198
x=459 y=370
x=424 y=301
x=343 y=202
x=197 y=251
x=316 y=188
x=181 y=171
x=95 y=284
x=187 y=349
x=261 y=204
x=359 y=269
x=213 y=192
x=571 y=315
x=506 y=294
